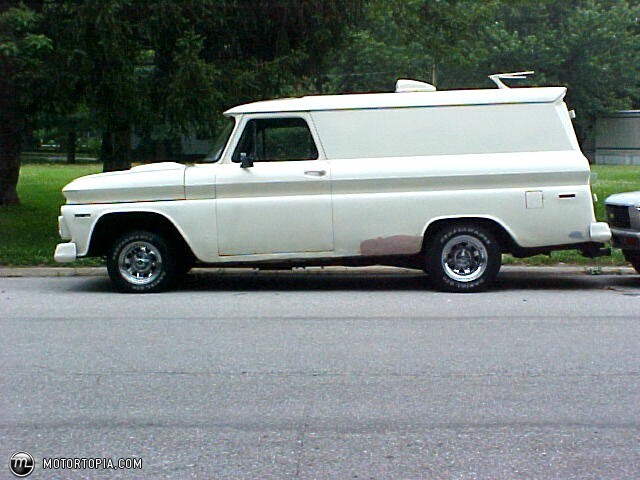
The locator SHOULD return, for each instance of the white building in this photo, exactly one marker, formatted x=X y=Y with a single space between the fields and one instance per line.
x=618 y=138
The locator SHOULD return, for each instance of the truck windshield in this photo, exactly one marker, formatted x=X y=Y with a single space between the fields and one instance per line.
x=218 y=146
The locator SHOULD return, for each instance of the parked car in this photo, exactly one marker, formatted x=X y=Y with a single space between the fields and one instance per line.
x=623 y=215
x=442 y=181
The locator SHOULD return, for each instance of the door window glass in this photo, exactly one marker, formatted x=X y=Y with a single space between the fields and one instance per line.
x=276 y=140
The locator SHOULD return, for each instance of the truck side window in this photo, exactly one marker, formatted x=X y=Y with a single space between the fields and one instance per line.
x=276 y=140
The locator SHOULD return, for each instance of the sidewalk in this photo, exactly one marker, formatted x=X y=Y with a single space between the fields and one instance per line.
x=26 y=272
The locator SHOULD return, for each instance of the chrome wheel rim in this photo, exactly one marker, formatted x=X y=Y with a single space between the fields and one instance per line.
x=140 y=263
x=464 y=258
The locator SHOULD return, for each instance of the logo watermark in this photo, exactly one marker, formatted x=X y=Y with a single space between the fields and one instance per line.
x=62 y=463
x=21 y=464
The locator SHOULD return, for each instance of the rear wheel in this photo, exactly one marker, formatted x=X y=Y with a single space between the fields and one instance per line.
x=463 y=258
x=141 y=262
x=633 y=257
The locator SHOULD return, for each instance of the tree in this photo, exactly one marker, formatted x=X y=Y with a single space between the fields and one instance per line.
x=590 y=46
x=65 y=110
x=418 y=39
x=210 y=55
x=22 y=56
x=169 y=68
x=106 y=33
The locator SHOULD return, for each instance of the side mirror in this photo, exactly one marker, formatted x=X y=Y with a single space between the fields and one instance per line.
x=245 y=160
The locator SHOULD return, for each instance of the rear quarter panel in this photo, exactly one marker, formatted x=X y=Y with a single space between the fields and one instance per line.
x=390 y=197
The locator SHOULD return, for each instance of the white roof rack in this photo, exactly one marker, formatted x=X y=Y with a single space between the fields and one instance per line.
x=498 y=77
x=404 y=85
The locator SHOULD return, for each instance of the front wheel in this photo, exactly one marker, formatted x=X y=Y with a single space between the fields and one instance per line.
x=463 y=258
x=141 y=262
x=633 y=257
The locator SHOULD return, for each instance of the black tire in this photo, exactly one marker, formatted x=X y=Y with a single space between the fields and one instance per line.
x=633 y=257
x=141 y=262
x=463 y=258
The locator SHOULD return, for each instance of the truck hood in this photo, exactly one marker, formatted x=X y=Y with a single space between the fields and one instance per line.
x=146 y=183
x=628 y=199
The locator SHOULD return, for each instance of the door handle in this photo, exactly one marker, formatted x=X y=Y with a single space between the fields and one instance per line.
x=315 y=173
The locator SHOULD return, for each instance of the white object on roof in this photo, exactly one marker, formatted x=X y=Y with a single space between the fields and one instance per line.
x=409 y=99
x=404 y=85
x=498 y=77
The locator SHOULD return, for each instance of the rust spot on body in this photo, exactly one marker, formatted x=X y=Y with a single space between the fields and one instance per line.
x=394 y=245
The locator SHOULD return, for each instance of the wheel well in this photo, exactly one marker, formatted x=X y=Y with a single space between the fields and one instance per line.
x=505 y=240
x=113 y=225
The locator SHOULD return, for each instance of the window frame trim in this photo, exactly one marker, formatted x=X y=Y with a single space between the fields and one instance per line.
x=243 y=120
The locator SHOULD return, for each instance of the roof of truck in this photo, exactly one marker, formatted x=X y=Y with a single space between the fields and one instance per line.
x=403 y=100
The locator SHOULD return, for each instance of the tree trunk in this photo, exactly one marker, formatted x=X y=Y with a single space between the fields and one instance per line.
x=9 y=168
x=10 y=135
x=115 y=151
x=71 y=146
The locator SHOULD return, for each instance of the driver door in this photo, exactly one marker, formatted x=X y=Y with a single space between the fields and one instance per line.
x=280 y=203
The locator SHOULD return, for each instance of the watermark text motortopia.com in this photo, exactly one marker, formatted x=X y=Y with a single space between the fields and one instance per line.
x=91 y=464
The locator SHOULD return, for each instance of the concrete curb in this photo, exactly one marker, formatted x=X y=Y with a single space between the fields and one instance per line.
x=25 y=272
x=34 y=272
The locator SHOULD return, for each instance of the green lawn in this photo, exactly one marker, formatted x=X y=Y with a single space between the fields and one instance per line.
x=29 y=232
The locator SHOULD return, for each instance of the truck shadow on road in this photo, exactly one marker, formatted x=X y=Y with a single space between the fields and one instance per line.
x=203 y=281
x=507 y=281
x=273 y=281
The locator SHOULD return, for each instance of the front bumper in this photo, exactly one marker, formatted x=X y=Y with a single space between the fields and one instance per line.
x=65 y=252
x=625 y=239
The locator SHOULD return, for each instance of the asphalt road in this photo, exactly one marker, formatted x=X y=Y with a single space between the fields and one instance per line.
x=325 y=376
